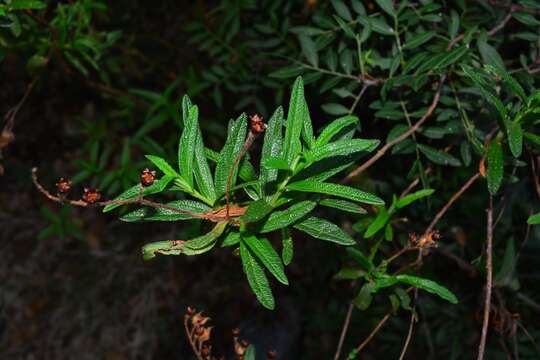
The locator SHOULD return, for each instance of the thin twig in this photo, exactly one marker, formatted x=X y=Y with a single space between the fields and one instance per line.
x=452 y=200
x=400 y=138
x=344 y=330
x=189 y=335
x=411 y=327
x=214 y=215
x=247 y=144
x=489 y=279
x=373 y=332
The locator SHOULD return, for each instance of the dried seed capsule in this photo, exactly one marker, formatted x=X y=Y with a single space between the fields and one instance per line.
x=257 y=124
x=271 y=354
x=63 y=186
x=148 y=177
x=91 y=196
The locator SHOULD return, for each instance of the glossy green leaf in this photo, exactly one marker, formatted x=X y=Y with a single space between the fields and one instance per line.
x=26 y=5
x=378 y=223
x=342 y=9
x=203 y=175
x=387 y=6
x=509 y=81
x=419 y=39
x=340 y=147
x=135 y=191
x=281 y=219
x=343 y=205
x=334 y=128
x=439 y=157
x=408 y=199
x=256 y=211
x=360 y=258
x=515 y=138
x=232 y=239
x=273 y=141
x=234 y=143
x=160 y=214
x=295 y=122
x=534 y=219
x=186 y=147
x=429 y=286
x=256 y=277
x=489 y=54
x=324 y=230
x=163 y=165
x=335 y=190
x=349 y=273
x=275 y=163
x=365 y=296
x=335 y=109
x=196 y=246
x=495 y=170
x=264 y=251
x=287 y=246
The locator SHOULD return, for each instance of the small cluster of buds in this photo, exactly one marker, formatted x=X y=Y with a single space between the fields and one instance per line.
x=257 y=124
x=199 y=333
x=427 y=241
x=92 y=195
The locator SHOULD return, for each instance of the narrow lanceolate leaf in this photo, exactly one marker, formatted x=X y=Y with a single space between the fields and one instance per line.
x=515 y=138
x=439 y=157
x=534 y=219
x=429 y=286
x=287 y=250
x=163 y=165
x=307 y=128
x=195 y=246
x=264 y=251
x=418 y=40
x=232 y=238
x=387 y=6
x=256 y=211
x=235 y=140
x=135 y=191
x=380 y=221
x=295 y=121
x=343 y=205
x=406 y=200
x=336 y=190
x=334 y=129
x=256 y=277
x=339 y=148
x=160 y=214
x=186 y=148
x=324 y=230
x=495 y=170
x=309 y=49
x=272 y=145
x=508 y=80
x=281 y=219
x=203 y=176
x=276 y=163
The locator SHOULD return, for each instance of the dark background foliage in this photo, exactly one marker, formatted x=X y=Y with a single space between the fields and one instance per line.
x=99 y=86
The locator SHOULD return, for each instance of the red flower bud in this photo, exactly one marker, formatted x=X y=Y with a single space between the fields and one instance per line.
x=257 y=124
x=63 y=186
x=91 y=196
x=148 y=177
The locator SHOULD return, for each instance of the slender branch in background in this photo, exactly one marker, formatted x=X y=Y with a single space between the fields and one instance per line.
x=344 y=330
x=400 y=138
x=452 y=200
x=375 y=330
x=358 y=97
x=489 y=279
x=411 y=327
